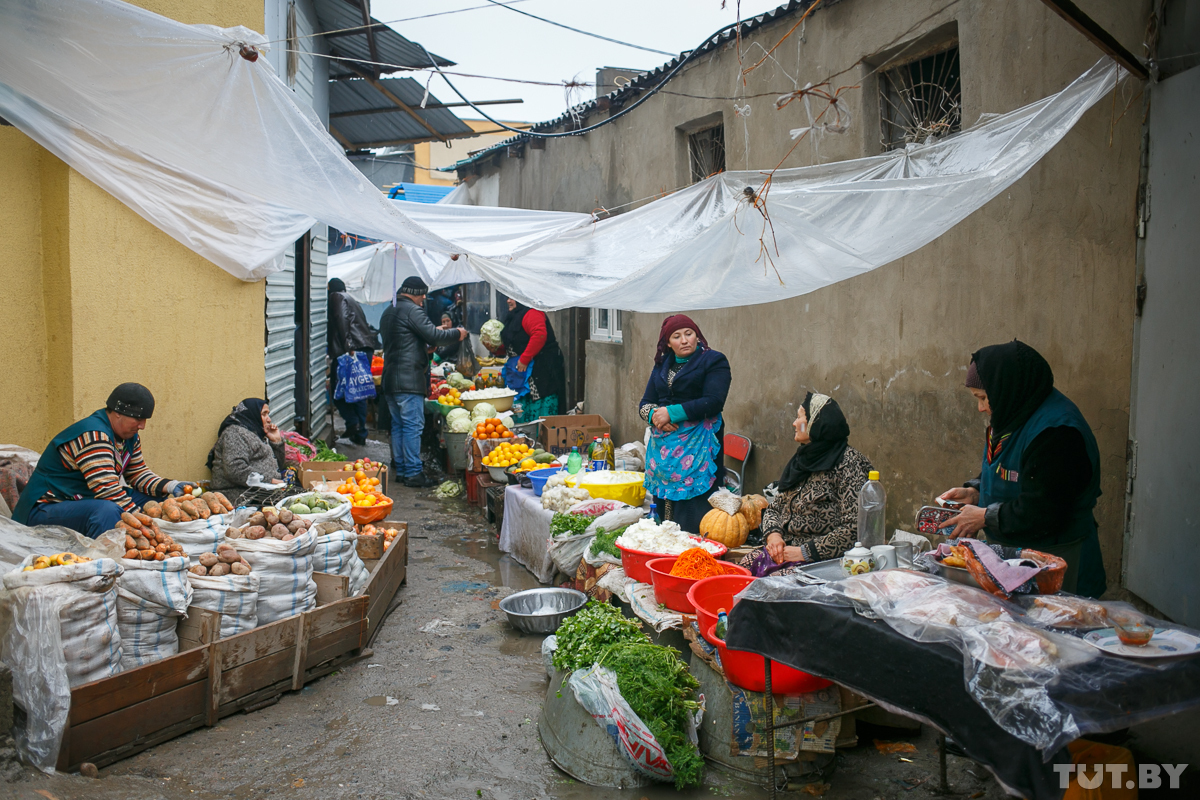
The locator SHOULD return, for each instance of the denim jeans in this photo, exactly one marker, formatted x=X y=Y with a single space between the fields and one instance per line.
x=355 y=415
x=408 y=420
x=89 y=517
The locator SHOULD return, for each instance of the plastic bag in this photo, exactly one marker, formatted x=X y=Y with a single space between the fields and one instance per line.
x=467 y=363
x=630 y=457
x=354 y=381
x=284 y=569
x=336 y=552
x=151 y=597
x=596 y=690
x=234 y=597
x=566 y=550
x=726 y=501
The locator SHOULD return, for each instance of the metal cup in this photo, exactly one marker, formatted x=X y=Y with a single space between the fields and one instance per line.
x=904 y=554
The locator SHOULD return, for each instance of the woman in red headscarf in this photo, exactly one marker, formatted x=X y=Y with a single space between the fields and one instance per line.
x=682 y=405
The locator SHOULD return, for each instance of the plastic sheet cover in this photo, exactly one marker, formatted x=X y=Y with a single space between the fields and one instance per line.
x=1020 y=662
x=213 y=149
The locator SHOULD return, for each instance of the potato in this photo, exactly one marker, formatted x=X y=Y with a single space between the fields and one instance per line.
x=160 y=548
x=142 y=518
x=286 y=538
x=254 y=532
x=208 y=559
x=245 y=563
x=171 y=510
x=272 y=519
x=130 y=542
x=295 y=526
x=142 y=543
x=285 y=516
x=198 y=570
x=214 y=505
x=189 y=508
x=224 y=501
x=152 y=509
x=130 y=520
x=228 y=556
x=217 y=570
x=257 y=518
x=160 y=556
x=239 y=569
x=131 y=553
x=201 y=508
x=279 y=531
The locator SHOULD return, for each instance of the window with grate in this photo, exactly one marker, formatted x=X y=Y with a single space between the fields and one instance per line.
x=706 y=152
x=920 y=99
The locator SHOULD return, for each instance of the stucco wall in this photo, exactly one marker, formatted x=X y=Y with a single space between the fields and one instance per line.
x=95 y=296
x=1050 y=261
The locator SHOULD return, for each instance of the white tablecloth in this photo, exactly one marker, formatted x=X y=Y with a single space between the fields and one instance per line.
x=525 y=532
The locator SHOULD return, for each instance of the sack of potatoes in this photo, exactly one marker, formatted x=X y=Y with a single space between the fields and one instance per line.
x=279 y=524
x=225 y=561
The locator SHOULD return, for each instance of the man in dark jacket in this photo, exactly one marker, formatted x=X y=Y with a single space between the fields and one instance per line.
x=407 y=336
x=348 y=332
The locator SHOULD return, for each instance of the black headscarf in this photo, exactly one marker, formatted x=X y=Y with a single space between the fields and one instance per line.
x=828 y=429
x=1017 y=380
x=512 y=334
x=246 y=414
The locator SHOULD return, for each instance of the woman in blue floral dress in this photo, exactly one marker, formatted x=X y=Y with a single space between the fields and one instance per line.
x=682 y=405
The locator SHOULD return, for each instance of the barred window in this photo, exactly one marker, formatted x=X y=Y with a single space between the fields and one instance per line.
x=920 y=99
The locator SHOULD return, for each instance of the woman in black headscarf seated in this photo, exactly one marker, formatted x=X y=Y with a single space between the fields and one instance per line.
x=1041 y=467
x=248 y=442
x=815 y=515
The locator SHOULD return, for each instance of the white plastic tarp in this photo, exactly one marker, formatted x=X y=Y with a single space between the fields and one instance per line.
x=213 y=149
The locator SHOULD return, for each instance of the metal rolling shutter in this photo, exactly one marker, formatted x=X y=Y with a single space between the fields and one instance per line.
x=280 y=351
x=318 y=401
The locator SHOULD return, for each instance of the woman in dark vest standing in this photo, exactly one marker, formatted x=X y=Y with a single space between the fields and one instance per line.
x=1041 y=467
x=530 y=340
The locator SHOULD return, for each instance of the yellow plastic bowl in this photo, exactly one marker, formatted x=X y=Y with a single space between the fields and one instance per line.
x=628 y=488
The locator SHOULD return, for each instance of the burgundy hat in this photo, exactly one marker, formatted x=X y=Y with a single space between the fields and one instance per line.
x=671 y=324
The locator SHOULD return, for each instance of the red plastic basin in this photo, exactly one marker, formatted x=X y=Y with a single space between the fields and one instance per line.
x=709 y=595
x=636 y=562
x=748 y=670
x=672 y=591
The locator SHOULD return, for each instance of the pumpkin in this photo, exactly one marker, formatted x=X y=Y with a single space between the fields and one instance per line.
x=728 y=529
x=752 y=507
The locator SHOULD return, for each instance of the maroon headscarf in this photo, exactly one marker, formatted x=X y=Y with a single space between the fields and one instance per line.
x=669 y=326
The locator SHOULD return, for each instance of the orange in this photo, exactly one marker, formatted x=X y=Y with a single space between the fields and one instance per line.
x=374 y=481
x=360 y=494
x=360 y=475
x=493 y=436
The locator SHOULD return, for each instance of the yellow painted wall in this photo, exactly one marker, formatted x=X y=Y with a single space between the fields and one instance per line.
x=429 y=156
x=97 y=296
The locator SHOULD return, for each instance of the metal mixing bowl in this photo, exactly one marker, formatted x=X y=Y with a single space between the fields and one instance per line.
x=541 y=610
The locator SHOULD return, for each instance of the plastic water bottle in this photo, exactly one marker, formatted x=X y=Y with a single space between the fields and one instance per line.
x=610 y=452
x=872 y=502
x=653 y=515
x=596 y=456
x=722 y=628
x=574 y=461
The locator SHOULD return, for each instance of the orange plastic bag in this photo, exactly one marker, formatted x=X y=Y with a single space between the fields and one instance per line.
x=1086 y=756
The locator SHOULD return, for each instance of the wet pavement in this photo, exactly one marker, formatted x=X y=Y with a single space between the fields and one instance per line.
x=449 y=712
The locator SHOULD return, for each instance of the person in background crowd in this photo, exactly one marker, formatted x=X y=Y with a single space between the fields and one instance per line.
x=1041 y=466
x=247 y=442
x=407 y=333
x=448 y=352
x=77 y=482
x=682 y=405
x=815 y=515
x=349 y=332
x=530 y=339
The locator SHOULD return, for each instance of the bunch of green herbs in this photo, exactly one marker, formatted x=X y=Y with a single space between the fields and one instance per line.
x=660 y=690
x=606 y=542
x=570 y=524
x=325 y=453
x=584 y=636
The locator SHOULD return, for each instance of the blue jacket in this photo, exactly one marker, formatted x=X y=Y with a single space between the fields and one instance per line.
x=700 y=387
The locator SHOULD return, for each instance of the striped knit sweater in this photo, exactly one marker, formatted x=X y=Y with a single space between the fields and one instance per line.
x=104 y=463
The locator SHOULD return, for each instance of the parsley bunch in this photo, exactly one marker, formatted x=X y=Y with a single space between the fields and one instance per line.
x=583 y=637
x=570 y=524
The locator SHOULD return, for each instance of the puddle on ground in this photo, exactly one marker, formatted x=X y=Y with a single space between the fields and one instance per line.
x=529 y=645
x=381 y=700
x=505 y=571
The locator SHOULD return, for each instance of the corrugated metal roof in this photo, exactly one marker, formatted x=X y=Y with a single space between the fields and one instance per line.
x=419 y=192
x=390 y=125
x=647 y=80
x=391 y=47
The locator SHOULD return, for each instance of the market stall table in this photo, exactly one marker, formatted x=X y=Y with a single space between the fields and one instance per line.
x=925 y=681
x=525 y=532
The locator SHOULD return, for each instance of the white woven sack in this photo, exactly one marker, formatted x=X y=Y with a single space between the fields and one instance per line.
x=284 y=569
x=340 y=512
x=151 y=597
x=199 y=535
x=337 y=554
x=234 y=597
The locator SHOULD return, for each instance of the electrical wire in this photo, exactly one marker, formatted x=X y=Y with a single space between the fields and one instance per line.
x=577 y=30
x=375 y=24
x=410 y=68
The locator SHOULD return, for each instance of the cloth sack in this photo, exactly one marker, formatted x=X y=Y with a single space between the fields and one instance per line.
x=198 y=536
x=234 y=597
x=339 y=512
x=151 y=597
x=354 y=381
x=59 y=630
x=336 y=552
x=284 y=570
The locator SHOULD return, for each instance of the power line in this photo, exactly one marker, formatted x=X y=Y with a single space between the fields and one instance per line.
x=375 y=25
x=577 y=30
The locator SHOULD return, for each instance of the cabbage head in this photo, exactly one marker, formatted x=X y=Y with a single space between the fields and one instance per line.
x=483 y=411
x=454 y=376
x=489 y=334
x=459 y=420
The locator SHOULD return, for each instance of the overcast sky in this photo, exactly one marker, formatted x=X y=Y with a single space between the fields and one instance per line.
x=500 y=42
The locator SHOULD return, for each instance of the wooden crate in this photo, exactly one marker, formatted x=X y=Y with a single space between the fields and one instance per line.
x=211 y=678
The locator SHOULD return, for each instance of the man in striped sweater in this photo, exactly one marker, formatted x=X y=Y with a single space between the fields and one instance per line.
x=94 y=470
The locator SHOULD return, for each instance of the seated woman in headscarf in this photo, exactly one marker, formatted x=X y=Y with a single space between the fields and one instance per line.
x=815 y=515
x=247 y=442
x=682 y=405
x=1041 y=467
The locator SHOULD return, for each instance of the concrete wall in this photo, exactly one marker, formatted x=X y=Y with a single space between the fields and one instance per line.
x=1050 y=261
x=95 y=296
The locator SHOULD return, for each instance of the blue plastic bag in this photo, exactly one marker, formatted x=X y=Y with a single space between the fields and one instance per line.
x=354 y=380
x=515 y=379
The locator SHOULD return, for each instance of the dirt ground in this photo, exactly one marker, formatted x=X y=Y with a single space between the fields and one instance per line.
x=450 y=714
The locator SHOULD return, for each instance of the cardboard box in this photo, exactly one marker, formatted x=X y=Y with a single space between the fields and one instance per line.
x=559 y=434
x=313 y=472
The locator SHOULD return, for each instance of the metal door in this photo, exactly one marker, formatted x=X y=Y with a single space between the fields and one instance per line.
x=1162 y=542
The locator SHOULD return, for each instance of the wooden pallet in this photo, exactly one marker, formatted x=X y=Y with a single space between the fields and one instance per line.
x=211 y=678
